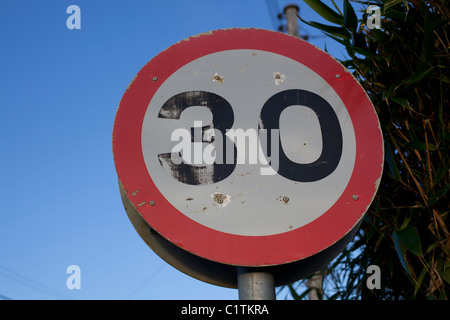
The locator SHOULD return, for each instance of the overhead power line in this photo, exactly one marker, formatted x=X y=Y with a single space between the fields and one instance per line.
x=2 y=297
x=131 y=295
x=28 y=282
x=274 y=14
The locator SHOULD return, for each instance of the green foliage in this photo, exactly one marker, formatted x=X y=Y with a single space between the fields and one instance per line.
x=404 y=68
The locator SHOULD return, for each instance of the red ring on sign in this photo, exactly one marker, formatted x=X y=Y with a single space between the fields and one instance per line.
x=227 y=248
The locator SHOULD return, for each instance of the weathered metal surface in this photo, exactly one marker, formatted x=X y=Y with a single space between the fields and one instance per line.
x=255 y=285
x=246 y=148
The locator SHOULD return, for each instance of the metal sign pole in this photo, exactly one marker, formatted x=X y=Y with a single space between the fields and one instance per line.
x=255 y=285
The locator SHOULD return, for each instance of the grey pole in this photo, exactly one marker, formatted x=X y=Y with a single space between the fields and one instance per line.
x=314 y=283
x=291 y=11
x=255 y=285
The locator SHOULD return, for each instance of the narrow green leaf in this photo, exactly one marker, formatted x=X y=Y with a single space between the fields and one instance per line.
x=438 y=194
x=336 y=7
x=420 y=279
x=387 y=94
x=445 y=79
x=416 y=77
x=442 y=172
x=405 y=222
x=402 y=101
x=442 y=295
x=400 y=252
x=341 y=41
x=391 y=3
x=446 y=274
x=350 y=19
x=335 y=31
x=325 y=12
x=421 y=146
x=390 y=160
x=427 y=53
x=410 y=239
x=433 y=245
x=359 y=42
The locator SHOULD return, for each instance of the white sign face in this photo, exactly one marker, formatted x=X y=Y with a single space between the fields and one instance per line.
x=226 y=146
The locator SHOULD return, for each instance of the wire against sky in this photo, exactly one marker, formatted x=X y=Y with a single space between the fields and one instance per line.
x=274 y=11
x=30 y=283
x=153 y=275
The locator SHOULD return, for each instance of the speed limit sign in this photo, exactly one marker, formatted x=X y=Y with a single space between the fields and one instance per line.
x=247 y=147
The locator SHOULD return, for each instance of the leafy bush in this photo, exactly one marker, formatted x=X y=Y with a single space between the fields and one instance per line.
x=404 y=68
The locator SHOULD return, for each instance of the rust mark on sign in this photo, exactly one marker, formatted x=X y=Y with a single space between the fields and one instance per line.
x=284 y=199
x=189 y=199
x=134 y=193
x=243 y=174
x=130 y=83
x=207 y=33
x=201 y=210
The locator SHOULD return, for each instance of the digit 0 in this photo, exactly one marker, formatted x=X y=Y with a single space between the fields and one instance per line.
x=331 y=137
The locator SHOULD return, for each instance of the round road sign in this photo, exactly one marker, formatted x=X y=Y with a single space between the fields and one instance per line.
x=247 y=147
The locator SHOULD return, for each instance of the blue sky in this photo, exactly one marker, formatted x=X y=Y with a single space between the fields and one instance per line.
x=60 y=89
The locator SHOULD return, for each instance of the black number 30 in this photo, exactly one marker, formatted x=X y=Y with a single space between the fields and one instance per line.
x=223 y=119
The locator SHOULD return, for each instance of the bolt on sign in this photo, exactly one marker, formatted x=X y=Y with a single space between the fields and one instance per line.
x=246 y=147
